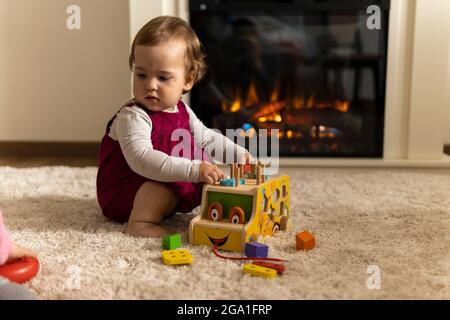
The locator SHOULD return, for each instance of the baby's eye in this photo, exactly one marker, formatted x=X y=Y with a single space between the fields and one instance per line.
x=164 y=78
x=140 y=75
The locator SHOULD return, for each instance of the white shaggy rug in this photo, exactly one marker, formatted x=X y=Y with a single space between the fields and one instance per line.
x=397 y=221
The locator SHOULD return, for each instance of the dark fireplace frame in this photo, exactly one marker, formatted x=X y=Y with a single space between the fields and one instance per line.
x=314 y=6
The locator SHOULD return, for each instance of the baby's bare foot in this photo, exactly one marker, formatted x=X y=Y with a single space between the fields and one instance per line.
x=146 y=229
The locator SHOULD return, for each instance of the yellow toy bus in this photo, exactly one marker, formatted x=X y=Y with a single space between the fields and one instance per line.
x=231 y=215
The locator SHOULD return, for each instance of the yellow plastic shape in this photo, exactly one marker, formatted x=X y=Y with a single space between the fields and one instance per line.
x=259 y=271
x=175 y=257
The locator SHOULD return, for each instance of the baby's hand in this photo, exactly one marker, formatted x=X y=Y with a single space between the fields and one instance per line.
x=18 y=252
x=210 y=173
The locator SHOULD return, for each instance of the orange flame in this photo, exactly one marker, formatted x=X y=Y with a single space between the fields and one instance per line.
x=236 y=105
x=298 y=103
x=275 y=93
x=341 y=106
x=272 y=111
x=224 y=106
x=252 y=96
x=311 y=102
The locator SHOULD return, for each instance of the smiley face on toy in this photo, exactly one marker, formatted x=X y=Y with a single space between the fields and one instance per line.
x=222 y=228
x=215 y=240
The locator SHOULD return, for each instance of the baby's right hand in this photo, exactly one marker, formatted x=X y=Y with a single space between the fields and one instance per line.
x=210 y=173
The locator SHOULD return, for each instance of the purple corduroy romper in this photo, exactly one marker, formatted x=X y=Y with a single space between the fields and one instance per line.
x=117 y=183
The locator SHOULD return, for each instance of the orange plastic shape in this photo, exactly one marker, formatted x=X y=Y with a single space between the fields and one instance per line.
x=305 y=240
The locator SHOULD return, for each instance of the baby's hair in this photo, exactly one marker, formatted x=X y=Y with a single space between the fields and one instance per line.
x=165 y=28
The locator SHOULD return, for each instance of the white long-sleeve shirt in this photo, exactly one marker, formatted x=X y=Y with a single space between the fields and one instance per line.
x=132 y=128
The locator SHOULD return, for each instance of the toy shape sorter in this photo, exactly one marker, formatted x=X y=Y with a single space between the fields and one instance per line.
x=240 y=209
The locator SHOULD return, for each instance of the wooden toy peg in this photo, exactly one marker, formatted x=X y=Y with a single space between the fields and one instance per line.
x=253 y=169
x=258 y=175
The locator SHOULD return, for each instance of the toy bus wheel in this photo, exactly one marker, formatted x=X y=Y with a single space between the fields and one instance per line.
x=215 y=211
x=236 y=215
x=284 y=223
x=276 y=228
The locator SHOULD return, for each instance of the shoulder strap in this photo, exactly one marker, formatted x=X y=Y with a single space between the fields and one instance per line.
x=130 y=103
x=182 y=107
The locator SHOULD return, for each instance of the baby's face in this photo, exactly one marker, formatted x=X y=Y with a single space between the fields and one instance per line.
x=160 y=75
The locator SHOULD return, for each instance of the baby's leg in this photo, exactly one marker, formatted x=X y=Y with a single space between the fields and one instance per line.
x=153 y=201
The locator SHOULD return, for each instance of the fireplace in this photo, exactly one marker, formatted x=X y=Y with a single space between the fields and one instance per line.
x=313 y=70
x=416 y=91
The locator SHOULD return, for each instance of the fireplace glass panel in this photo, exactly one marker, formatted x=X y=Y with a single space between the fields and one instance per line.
x=315 y=72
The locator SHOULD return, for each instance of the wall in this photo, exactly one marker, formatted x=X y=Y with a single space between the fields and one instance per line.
x=63 y=85
x=429 y=110
x=447 y=132
x=58 y=84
